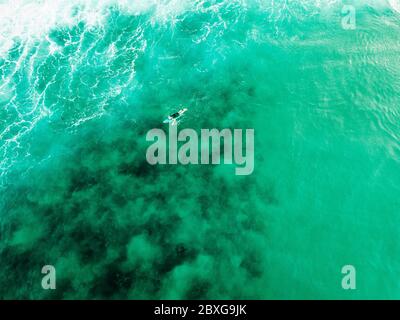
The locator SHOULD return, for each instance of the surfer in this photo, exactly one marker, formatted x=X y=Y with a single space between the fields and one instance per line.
x=173 y=118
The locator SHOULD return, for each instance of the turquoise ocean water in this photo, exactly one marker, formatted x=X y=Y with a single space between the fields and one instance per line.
x=82 y=82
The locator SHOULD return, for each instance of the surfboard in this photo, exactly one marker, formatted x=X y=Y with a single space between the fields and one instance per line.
x=178 y=115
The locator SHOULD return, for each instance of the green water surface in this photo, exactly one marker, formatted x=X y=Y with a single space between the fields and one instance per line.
x=76 y=191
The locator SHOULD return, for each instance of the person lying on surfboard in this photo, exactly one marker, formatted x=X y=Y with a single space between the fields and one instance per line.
x=173 y=118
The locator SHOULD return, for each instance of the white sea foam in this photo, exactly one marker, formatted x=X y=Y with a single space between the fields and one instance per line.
x=26 y=20
x=395 y=4
x=29 y=22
